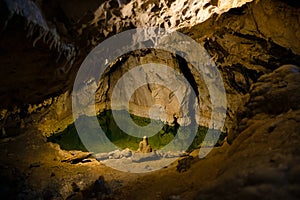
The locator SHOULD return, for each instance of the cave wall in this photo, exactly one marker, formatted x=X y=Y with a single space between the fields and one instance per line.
x=244 y=49
x=245 y=43
x=256 y=48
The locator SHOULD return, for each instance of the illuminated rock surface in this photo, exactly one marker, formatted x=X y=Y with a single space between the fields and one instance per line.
x=255 y=47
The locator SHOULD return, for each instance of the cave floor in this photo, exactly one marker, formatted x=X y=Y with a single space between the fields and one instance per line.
x=257 y=163
x=38 y=166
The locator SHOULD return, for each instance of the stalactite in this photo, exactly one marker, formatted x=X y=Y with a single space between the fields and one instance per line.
x=40 y=35
x=36 y=29
x=30 y=30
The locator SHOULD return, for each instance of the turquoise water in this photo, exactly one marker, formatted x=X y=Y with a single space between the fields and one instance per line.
x=68 y=139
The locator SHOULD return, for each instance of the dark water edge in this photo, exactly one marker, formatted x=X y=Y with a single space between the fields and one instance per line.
x=69 y=139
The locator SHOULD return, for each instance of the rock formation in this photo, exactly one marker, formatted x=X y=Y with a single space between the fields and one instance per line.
x=255 y=45
x=144 y=146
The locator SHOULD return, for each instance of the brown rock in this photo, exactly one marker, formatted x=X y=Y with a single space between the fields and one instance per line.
x=144 y=146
